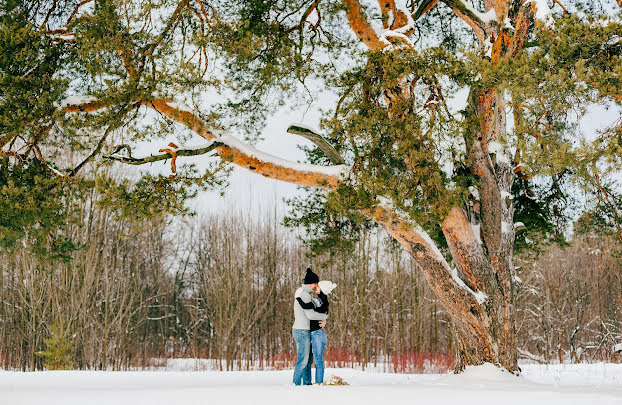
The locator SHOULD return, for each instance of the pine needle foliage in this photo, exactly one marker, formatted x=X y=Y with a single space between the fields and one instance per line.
x=59 y=350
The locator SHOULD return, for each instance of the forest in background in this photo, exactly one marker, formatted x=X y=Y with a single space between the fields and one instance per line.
x=134 y=290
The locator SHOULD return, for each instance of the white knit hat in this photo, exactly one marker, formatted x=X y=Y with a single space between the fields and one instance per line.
x=327 y=286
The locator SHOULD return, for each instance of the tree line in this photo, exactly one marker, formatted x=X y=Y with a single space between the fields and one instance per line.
x=220 y=287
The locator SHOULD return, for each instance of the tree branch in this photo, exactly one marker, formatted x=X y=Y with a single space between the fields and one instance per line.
x=359 y=24
x=318 y=140
x=75 y=10
x=230 y=148
x=129 y=159
x=424 y=7
x=468 y=16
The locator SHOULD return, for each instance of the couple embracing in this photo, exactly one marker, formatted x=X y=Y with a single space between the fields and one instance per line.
x=310 y=313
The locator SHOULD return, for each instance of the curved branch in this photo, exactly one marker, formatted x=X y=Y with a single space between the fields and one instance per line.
x=468 y=16
x=229 y=148
x=318 y=140
x=424 y=7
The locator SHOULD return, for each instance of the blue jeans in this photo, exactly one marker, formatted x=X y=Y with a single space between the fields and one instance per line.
x=318 y=341
x=302 y=370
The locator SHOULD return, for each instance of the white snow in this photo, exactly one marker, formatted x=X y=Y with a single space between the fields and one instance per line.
x=507 y=23
x=505 y=195
x=614 y=40
x=180 y=105
x=487 y=17
x=479 y=296
x=400 y=33
x=474 y=192
x=578 y=384
x=499 y=151
x=617 y=348
x=77 y=100
x=67 y=37
x=543 y=12
x=506 y=227
x=488 y=48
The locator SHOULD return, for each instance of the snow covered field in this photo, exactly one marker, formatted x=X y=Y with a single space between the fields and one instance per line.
x=585 y=384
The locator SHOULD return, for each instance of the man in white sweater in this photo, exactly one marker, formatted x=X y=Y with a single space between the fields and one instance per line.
x=300 y=330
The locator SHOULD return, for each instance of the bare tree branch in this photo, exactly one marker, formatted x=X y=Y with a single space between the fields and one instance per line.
x=319 y=141
x=129 y=159
x=468 y=16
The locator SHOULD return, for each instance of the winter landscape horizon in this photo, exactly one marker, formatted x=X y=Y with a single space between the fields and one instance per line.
x=403 y=201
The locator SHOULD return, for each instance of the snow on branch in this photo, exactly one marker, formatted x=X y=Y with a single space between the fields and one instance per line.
x=227 y=141
x=77 y=100
x=80 y=104
x=543 y=12
x=228 y=147
x=431 y=247
x=251 y=151
x=359 y=23
x=400 y=34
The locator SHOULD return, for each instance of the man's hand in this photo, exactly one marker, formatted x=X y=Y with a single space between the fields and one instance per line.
x=322 y=324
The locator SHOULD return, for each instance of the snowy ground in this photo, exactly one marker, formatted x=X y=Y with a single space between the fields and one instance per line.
x=586 y=384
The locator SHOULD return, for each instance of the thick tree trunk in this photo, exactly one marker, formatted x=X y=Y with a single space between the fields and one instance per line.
x=482 y=254
x=484 y=328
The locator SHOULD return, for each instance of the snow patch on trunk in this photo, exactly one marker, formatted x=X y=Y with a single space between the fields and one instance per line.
x=487 y=17
x=503 y=157
x=543 y=12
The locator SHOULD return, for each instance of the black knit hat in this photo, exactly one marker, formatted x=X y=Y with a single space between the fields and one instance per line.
x=311 y=277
